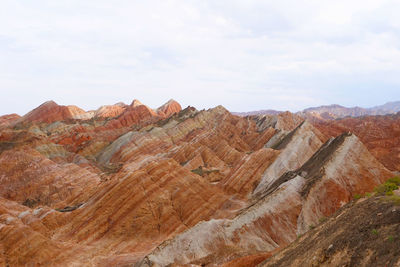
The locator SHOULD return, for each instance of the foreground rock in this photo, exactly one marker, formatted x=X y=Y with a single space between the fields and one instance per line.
x=365 y=233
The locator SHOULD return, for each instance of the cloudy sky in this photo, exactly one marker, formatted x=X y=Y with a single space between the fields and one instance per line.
x=245 y=55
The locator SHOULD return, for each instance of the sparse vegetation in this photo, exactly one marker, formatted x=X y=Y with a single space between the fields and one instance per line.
x=374 y=232
x=357 y=196
x=299 y=236
x=395 y=180
x=200 y=171
x=390 y=238
x=368 y=194
x=323 y=219
x=30 y=202
x=388 y=187
x=395 y=199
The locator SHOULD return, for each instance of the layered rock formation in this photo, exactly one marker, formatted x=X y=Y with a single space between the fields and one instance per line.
x=169 y=108
x=110 y=111
x=379 y=133
x=7 y=120
x=126 y=184
x=289 y=207
x=51 y=112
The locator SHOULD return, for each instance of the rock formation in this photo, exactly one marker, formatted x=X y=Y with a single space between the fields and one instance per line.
x=110 y=111
x=289 y=207
x=51 y=112
x=169 y=108
x=379 y=133
x=126 y=184
x=8 y=120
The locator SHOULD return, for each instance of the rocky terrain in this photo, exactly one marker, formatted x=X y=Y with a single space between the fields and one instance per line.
x=128 y=185
x=362 y=233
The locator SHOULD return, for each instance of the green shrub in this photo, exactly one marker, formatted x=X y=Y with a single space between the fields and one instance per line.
x=374 y=232
x=390 y=238
x=388 y=187
x=389 y=193
x=394 y=180
x=357 y=196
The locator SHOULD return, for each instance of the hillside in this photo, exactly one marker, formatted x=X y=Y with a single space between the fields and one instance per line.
x=131 y=185
x=363 y=233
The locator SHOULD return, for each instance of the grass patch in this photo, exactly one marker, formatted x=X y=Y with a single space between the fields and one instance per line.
x=357 y=196
x=374 y=232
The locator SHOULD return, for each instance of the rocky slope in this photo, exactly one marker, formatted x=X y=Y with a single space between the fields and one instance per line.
x=127 y=184
x=362 y=233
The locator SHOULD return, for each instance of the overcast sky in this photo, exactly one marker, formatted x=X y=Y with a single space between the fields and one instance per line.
x=245 y=55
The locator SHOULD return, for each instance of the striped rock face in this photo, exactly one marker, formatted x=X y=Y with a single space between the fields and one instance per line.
x=129 y=185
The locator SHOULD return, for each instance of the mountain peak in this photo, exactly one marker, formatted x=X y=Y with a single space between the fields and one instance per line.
x=136 y=103
x=50 y=112
x=169 y=108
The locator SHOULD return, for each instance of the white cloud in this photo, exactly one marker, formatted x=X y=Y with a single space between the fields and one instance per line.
x=245 y=55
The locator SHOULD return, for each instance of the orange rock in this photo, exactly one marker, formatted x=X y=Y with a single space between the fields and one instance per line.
x=7 y=120
x=110 y=111
x=50 y=112
x=169 y=108
x=136 y=114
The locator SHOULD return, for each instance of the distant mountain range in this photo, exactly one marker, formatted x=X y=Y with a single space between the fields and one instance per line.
x=335 y=111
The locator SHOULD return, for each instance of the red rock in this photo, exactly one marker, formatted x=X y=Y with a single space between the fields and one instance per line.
x=379 y=133
x=297 y=200
x=50 y=112
x=8 y=120
x=134 y=182
x=169 y=108
x=110 y=111
x=136 y=114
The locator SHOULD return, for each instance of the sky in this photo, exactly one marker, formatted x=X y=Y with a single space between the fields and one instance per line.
x=245 y=55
